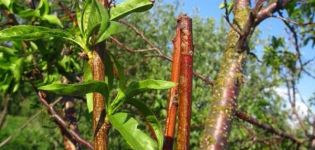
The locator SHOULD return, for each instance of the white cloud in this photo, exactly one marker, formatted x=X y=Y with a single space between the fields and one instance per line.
x=300 y=107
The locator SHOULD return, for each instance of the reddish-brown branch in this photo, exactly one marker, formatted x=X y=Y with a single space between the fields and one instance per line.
x=173 y=95
x=185 y=82
x=154 y=48
x=61 y=123
x=268 y=128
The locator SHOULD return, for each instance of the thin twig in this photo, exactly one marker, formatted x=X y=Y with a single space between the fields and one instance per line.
x=58 y=119
x=26 y=123
x=293 y=21
x=160 y=54
x=243 y=116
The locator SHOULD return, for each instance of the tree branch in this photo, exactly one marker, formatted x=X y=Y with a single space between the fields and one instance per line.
x=268 y=128
x=42 y=97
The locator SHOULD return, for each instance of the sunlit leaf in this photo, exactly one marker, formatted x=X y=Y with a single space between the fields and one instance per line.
x=128 y=128
x=94 y=15
x=52 y=19
x=77 y=89
x=129 y=6
x=149 y=118
x=87 y=76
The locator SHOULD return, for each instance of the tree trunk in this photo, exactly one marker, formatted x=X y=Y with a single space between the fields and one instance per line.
x=227 y=83
x=185 y=83
x=312 y=143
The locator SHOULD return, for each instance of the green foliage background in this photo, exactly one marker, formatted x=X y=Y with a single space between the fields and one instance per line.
x=258 y=97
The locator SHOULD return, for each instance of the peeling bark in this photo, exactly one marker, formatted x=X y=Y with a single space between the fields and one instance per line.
x=173 y=95
x=185 y=83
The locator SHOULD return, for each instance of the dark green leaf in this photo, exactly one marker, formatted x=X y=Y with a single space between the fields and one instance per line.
x=128 y=128
x=129 y=6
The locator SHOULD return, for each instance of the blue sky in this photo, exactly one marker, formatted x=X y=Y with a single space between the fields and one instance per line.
x=270 y=27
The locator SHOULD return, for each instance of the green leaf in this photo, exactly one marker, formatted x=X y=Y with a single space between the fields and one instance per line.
x=7 y=50
x=129 y=6
x=109 y=69
x=94 y=15
x=128 y=128
x=27 y=32
x=43 y=7
x=149 y=118
x=114 y=28
x=87 y=76
x=77 y=89
x=16 y=68
x=138 y=87
x=52 y=19
x=27 y=13
x=6 y=3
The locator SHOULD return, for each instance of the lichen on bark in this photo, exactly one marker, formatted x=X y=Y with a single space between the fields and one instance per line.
x=227 y=85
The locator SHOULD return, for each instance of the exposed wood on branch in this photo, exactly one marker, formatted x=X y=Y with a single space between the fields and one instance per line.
x=170 y=125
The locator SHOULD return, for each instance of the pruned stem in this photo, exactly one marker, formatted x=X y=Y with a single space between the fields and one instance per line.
x=185 y=83
x=173 y=95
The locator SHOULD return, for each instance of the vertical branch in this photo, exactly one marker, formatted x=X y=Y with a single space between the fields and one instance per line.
x=173 y=95
x=185 y=83
x=312 y=142
x=228 y=81
x=100 y=127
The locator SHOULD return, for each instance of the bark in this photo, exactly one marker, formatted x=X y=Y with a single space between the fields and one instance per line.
x=173 y=95
x=268 y=128
x=100 y=126
x=185 y=83
x=312 y=143
x=227 y=83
